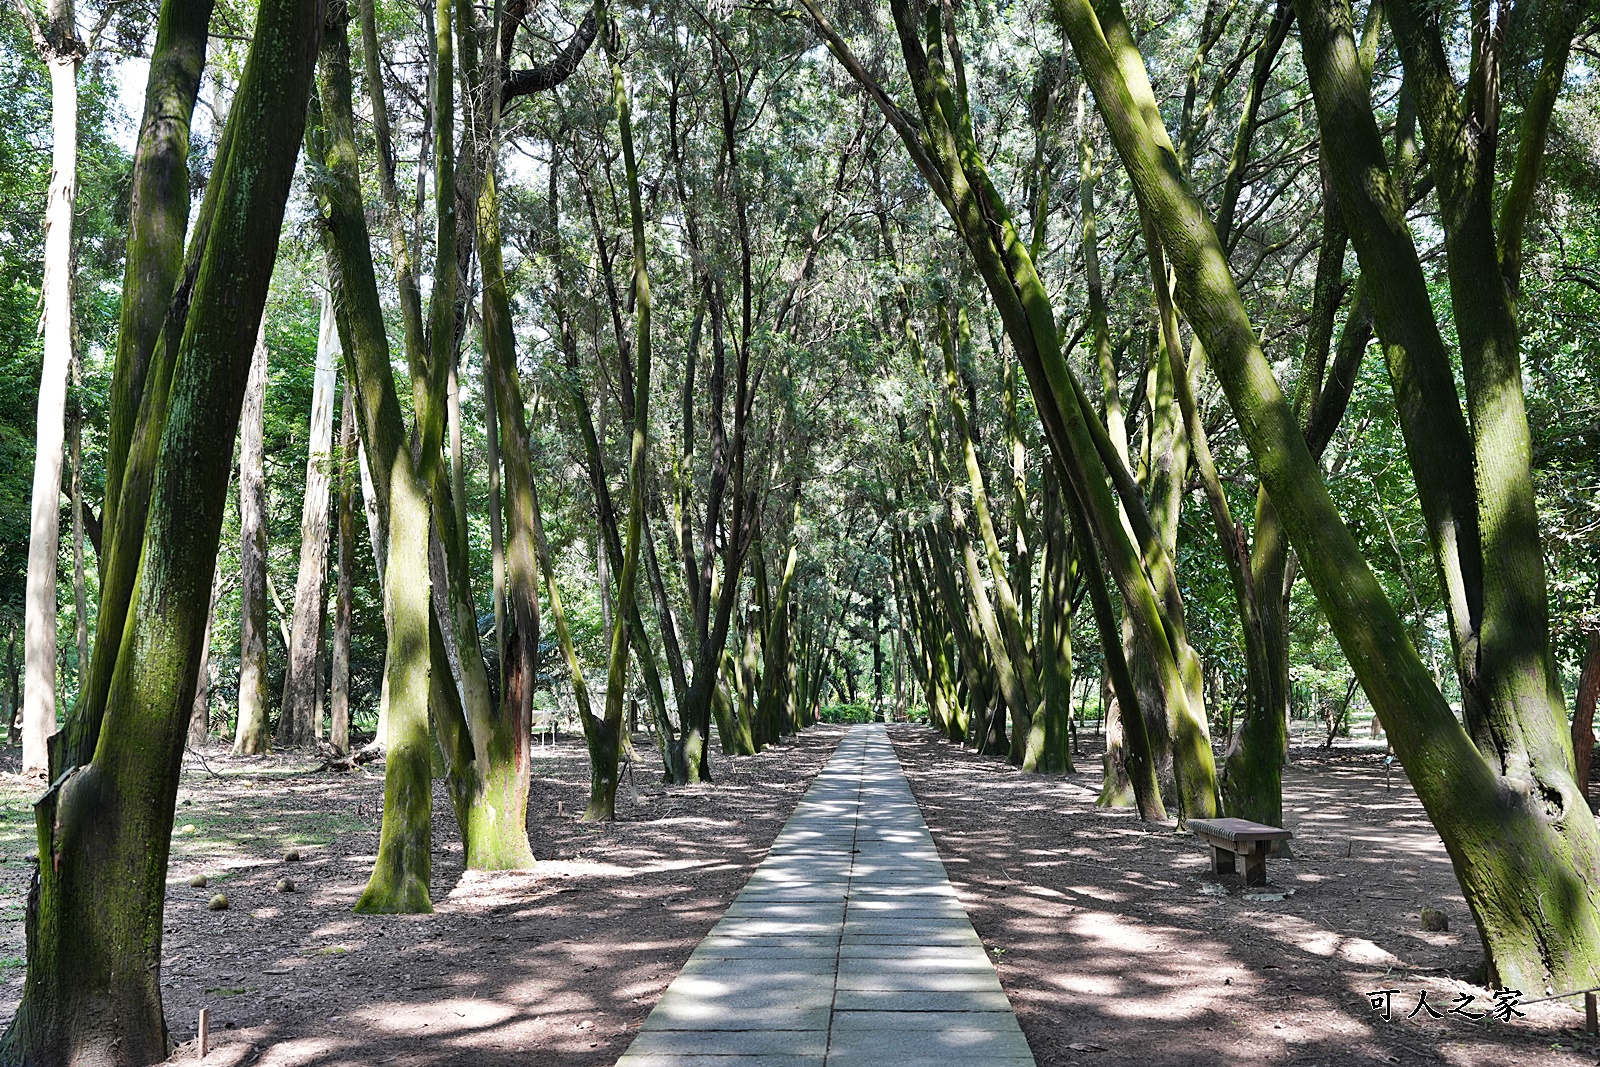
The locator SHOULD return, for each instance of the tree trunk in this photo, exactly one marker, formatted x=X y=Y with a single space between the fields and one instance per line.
x=1050 y=735
x=61 y=51
x=1517 y=840
x=80 y=595
x=602 y=799
x=95 y=917
x=142 y=376
x=339 y=676
x=498 y=838
x=400 y=877
x=1583 y=710
x=251 y=736
x=200 y=717
x=297 y=719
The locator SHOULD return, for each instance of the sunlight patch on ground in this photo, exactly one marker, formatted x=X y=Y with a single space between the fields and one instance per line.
x=1309 y=937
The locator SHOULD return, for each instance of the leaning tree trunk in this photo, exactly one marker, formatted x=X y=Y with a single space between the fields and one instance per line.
x=94 y=931
x=400 y=877
x=297 y=720
x=1522 y=846
x=251 y=737
x=147 y=342
x=60 y=49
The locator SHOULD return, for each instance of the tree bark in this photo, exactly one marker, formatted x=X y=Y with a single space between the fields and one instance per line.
x=297 y=719
x=251 y=736
x=400 y=877
x=339 y=675
x=94 y=931
x=61 y=51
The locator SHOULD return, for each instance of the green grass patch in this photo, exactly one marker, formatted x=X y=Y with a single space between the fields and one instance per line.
x=17 y=831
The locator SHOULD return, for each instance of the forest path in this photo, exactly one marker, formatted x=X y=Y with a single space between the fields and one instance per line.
x=847 y=946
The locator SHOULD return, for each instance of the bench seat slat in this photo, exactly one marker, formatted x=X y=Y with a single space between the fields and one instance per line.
x=1238 y=830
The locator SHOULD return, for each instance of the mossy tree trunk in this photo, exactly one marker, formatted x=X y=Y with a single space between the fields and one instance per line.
x=400 y=877
x=94 y=929
x=498 y=838
x=945 y=152
x=146 y=346
x=1516 y=831
x=608 y=730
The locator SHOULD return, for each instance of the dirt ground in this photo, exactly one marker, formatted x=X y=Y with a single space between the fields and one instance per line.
x=1106 y=939
x=1113 y=952
x=557 y=966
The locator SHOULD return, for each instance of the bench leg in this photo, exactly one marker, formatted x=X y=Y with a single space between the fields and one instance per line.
x=1221 y=861
x=1255 y=869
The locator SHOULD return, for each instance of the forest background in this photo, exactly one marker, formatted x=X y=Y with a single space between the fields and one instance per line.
x=708 y=205
x=844 y=377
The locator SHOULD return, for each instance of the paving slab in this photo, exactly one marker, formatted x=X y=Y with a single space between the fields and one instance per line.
x=847 y=947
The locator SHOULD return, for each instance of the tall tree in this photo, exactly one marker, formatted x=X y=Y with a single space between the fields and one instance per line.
x=57 y=42
x=602 y=803
x=93 y=989
x=400 y=878
x=252 y=735
x=299 y=720
x=1516 y=830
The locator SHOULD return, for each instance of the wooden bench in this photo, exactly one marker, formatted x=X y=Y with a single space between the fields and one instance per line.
x=1252 y=841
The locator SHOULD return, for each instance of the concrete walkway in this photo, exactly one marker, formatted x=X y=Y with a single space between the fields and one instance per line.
x=846 y=948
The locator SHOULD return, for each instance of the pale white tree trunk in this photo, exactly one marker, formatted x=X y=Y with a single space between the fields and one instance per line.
x=44 y=537
x=297 y=725
x=251 y=736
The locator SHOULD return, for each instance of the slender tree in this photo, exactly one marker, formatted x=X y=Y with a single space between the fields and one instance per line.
x=299 y=721
x=58 y=45
x=92 y=993
x=251 y=736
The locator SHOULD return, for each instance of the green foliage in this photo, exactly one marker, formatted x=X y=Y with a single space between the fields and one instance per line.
x=100 y=231
x=855 y=712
